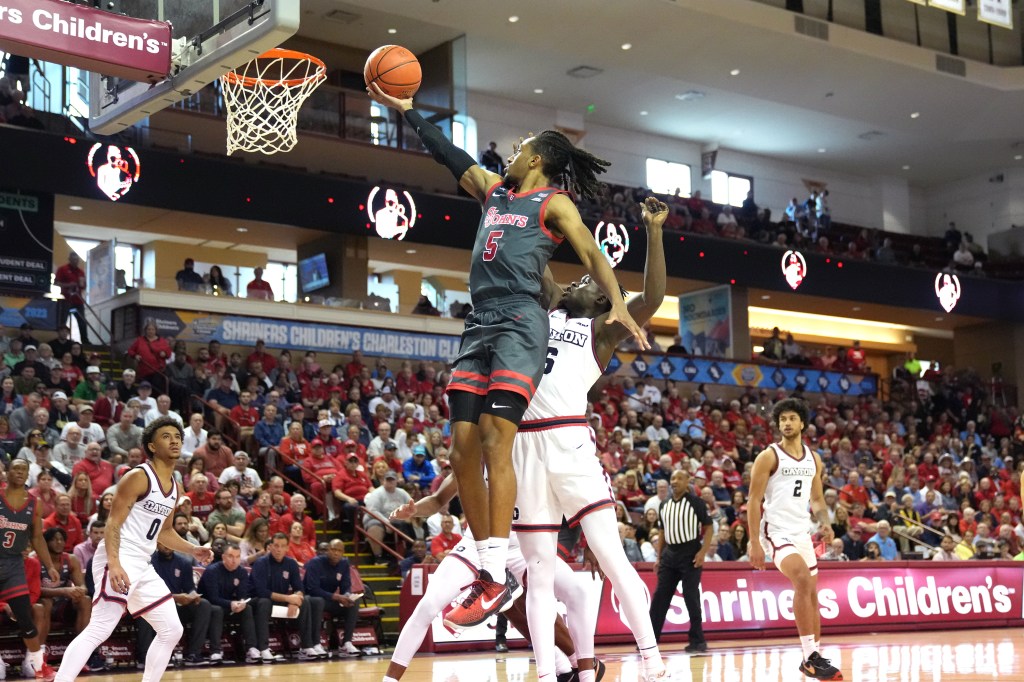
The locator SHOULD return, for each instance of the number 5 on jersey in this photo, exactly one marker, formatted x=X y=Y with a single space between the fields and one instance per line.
x=491 y=248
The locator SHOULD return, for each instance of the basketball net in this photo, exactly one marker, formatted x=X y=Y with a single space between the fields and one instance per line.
x=263 y=98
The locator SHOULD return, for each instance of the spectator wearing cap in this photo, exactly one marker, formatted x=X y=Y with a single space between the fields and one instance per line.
x=325 y=433
x=394 y=461
x=249 y=482
x=107 y=409
x=386 y=398
x=380 y=441
x=317 y=472
x=25 y=336
x=31 y=351
x=853 y=543
x=91 y=432
x=382 y=501
x=349 y=487
x=57 y=382
x=417 y=470
x=45 y=463
x=99 y=470
x=145 y=397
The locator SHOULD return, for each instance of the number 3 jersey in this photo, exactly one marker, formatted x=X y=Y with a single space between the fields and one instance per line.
x=140 y=530
x=570 y=370
x=513 y=246
x=785 y=510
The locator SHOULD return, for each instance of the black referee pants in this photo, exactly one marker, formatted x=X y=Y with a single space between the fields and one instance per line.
x=675 y=566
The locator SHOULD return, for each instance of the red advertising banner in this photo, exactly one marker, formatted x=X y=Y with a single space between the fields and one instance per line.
x=852 y=596
x=87 y=38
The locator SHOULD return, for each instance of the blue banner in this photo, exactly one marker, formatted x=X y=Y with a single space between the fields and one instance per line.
x=731 y=373
x=197 y=327
x=40 y=312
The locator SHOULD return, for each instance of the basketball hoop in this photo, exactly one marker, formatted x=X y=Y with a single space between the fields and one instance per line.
x=263 y=99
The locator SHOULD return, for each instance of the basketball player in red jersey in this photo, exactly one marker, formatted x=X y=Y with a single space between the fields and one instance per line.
x=785 y=481
x=20 y=524
x=504 y=344
x=125 y=578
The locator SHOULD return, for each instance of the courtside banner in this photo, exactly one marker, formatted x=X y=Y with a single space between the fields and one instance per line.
x=198 y=327
x=90 y=39
x=852 y=597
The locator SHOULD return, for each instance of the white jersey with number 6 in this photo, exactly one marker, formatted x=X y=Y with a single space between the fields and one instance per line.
x=571 y=369
x=785 y=511
x=140 y=530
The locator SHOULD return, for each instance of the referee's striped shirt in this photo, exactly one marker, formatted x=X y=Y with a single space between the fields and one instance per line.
x=682 y=520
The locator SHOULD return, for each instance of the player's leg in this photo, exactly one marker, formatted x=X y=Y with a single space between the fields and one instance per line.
x=83 y=611
x=516 y=615
x=46 y=620
x=601 y=531
x=106 y=614
x=539 y=549
x=163 y=618
x=799 y=564
x=496 y=437
x=22 y=611
x=443 y=586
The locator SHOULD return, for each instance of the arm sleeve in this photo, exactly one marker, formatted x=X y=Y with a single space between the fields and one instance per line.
x=445 y=153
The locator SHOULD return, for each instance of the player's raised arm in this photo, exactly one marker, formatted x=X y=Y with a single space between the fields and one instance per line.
x=763 y=465
x=642 y=306
x=431 y=504
x=550 y=292
x=473 y=178
x=563 y=216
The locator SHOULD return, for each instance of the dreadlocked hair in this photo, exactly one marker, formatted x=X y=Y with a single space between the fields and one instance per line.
x=575 y=168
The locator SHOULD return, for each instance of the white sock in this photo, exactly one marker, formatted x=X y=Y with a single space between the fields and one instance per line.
x=562 y=664
x=389 y=679
x=494 y=562
x=807 y=644
x=574 y=661
x=481 y=551
x=35 y=658
x=817 y=645
x=587 y=675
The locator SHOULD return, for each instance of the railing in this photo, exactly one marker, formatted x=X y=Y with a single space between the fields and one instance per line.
x=399 y=535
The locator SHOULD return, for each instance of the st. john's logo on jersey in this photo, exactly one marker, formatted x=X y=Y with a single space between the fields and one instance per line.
x=495 y=218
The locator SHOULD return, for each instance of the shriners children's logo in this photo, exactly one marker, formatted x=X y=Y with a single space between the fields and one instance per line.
x=613 y=241
x=794 y=268
x=947 y=289
x=394 y=219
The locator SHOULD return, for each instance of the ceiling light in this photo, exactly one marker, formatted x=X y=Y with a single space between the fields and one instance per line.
x=822 y=150
x=939 y=319
x=643 y=113
x=916 y=114
x=1018 y=157
x=765 y=297
x=410 y=251
x=538 y=91
x=513 y=19
x=392 y=31
x=626 y=46
x=856 y=308
x=906 y=168
x=734 y=72
x=241 y=229
x=758 y=349
x=74 y=207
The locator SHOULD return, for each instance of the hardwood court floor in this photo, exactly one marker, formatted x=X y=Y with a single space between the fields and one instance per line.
x=961 y=656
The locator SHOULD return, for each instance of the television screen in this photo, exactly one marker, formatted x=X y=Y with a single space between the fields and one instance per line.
x=313 y=273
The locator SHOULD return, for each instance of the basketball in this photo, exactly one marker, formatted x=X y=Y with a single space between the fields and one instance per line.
x=395 y=70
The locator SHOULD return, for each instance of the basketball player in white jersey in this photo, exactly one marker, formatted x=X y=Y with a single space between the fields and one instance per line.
x=125 y=579
x=459 y=568
x=785 y=482
x=556 y=467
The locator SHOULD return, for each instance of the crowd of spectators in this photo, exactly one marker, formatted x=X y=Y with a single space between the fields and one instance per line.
x=273 y=441
x=803 y=225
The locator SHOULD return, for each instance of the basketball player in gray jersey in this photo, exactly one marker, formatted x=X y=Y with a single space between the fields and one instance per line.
x=527 y=214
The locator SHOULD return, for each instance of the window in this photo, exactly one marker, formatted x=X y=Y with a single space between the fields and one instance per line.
x=729 y=189
x=665 y=177
x=127 y=257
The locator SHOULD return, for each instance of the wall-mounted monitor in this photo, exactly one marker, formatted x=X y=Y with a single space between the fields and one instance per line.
x=313 y=273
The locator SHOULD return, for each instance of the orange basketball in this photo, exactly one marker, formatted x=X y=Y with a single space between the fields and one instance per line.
x=395 y=70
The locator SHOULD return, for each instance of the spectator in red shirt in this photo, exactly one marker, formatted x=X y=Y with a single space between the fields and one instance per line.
x=349 y=487
x=445 y=541
x=268 y=361
x=202 y=499
x=317 y=472
x=315 y=395
x=259 y=288
x=856 y=358
x=299 y=548
x=263 y=508
x=297 y=512
x=151 y=353
x=217 y=455
x=245 y=416
x=853 y=492
x=63 y=518
x=353 y=368
x=429 y=380
x=100 y=471
x=71 y=280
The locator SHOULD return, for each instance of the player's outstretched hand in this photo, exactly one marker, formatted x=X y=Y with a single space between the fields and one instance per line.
x=623 y=317
x=406 y=511
x=653 y=212
x=756 y=554
x=381 y=97
x=203 y=554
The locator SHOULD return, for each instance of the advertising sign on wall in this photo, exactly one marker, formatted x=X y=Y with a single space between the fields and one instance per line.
x=26 y=228
x=705 y=321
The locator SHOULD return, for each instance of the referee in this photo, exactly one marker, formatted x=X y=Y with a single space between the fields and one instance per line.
x=681 y=551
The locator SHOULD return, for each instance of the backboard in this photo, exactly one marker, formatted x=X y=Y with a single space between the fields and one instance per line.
x=209 y=37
